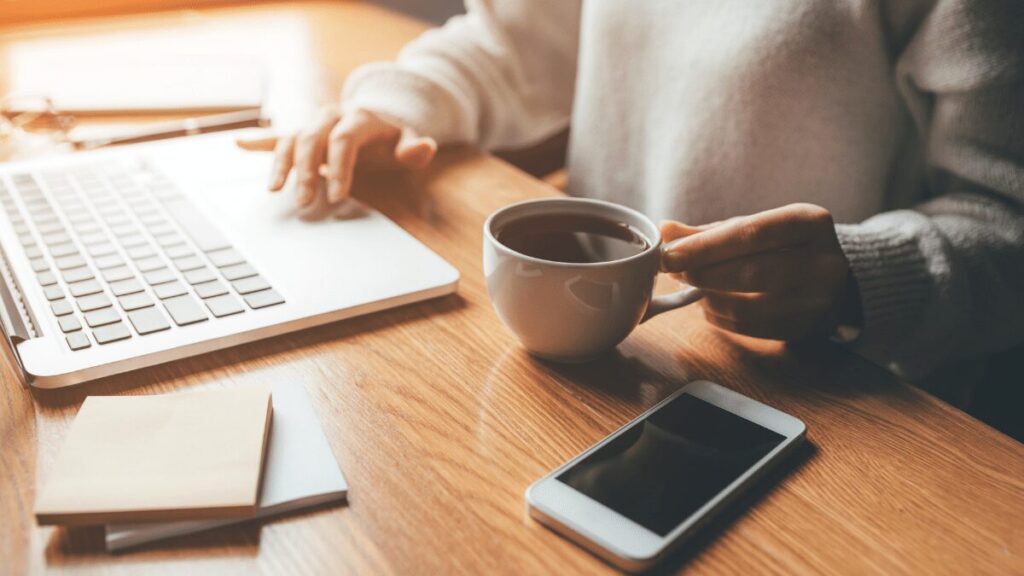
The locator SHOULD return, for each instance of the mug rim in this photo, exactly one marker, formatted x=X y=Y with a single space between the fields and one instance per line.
x=655 y=244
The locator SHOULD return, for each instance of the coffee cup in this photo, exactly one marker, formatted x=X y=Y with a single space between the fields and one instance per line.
x=572 y=277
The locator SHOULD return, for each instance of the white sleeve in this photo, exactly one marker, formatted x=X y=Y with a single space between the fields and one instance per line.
x=500 y=76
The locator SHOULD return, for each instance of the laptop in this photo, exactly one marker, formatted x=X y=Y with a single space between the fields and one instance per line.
x=117 y=259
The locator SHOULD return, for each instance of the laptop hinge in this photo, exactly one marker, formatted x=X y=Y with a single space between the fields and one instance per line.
x=16 y=320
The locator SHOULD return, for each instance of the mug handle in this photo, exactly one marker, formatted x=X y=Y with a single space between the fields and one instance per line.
x=683 y=297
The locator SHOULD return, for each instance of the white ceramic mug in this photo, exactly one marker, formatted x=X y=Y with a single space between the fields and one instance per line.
x=572 y=312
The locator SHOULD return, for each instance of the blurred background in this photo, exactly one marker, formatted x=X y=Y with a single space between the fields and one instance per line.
x=79 y=74
x=435 y=11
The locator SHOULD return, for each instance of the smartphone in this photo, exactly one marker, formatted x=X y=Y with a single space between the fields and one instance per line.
x=642 y=491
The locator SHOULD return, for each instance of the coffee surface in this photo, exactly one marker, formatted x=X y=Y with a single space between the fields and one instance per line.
x=572 y=238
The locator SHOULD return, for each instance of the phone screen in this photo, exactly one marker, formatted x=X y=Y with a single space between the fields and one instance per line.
x=665 y=467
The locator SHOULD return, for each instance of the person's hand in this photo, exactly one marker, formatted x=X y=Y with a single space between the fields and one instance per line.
x=331 y=147
x=777 y=274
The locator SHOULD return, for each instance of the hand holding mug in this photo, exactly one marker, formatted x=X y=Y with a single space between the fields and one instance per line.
x=777 y=274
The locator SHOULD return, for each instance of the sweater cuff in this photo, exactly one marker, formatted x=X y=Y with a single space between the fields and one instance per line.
x=893 y=278
x=406 y=98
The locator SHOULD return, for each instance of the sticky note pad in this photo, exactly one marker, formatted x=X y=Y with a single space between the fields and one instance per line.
x=300 y=472
x=193 y=455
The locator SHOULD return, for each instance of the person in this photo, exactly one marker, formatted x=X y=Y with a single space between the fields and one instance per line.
x=843 y=168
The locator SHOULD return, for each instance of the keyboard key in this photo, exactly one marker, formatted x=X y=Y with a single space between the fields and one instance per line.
x=184 y=310
x=97 y=250
x=109 y=261
x=50 y=227
x=178 y=251
x=206 y=236
x=188 y=263
x=238 y=271
x=210 y=289
x=162 y=229
x=72 y=261
x=133 y=241
x=109 y=209
x=26 y=239
x=78 y=340
x=53 y=292
x=224 y=305
x=139 y=202
x=69 y=323
x=84 y=288
x=34 y=251
x=263 y=298
x=222 y=258
x=79 y=217
x=135 y=301
x=118 y=273
x=86 y=227
x=46 y=278
x=123 y=287
x=102 y=317
x=120 y=224
x=64 y=249
x=200 y=275
x=148 y=320
x=56 y=238
x=61 y=307
x=168 y=240
x=140 y=252
x=40 y=265
x=170 y=290
x=152 y=219
x=123 y=229
x=111 y=333
x=93 y=238
x=93 y=302
x=77 y=274
x=151 y=263
x=250 y=284
x=159 y=276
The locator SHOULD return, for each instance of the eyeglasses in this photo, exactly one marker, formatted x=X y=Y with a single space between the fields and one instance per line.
x=31 y=122
x=35 y=114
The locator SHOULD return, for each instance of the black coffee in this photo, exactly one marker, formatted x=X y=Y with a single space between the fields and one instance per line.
x=572 y=238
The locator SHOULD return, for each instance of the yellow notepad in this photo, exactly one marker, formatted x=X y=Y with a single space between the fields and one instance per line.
x=193 y=455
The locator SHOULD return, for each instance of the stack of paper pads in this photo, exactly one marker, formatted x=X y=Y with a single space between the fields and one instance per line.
x=153 y=467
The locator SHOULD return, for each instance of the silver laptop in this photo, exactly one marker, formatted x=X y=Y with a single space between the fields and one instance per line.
x=123 y=258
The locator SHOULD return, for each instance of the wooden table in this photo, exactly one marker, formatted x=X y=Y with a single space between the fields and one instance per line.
x=440 y=421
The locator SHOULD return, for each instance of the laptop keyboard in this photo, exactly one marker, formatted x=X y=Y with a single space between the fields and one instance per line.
x=120 y=253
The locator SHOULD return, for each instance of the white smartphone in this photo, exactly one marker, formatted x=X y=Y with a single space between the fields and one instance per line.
x=640 y=492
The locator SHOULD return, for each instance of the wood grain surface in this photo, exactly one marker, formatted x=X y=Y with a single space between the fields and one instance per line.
x=440 y=421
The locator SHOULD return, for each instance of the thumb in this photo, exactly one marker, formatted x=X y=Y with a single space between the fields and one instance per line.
x=265 y=144
x=672 y=230
x=413 y=150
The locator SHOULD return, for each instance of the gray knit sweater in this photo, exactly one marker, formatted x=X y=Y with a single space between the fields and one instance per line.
x=905 y=118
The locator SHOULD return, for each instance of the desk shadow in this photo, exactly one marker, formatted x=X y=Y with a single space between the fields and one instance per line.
x=627 y=378
x=224 y=359
x=77 y=545
x=238 y=535
x=756 y=493
x=820 y=367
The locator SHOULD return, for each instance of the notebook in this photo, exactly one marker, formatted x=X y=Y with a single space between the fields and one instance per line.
x=160 y=458
x=301 y=472
x=85 y=77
